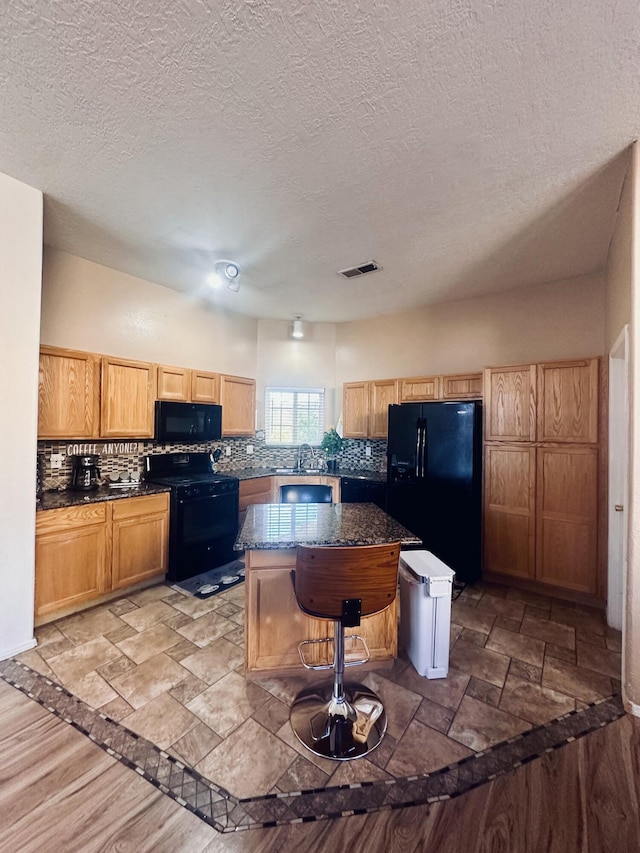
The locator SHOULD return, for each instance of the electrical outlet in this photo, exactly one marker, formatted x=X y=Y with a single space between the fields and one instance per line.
x=367 y=450
x=249 y=448
x=227 y=451
x=56 y=460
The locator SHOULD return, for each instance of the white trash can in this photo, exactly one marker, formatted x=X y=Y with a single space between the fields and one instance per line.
x=425 y=611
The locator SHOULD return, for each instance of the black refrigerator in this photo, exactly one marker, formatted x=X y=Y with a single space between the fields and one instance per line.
x=434 y=479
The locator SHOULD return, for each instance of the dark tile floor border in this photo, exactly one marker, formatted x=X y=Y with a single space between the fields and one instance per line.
x=226 y=813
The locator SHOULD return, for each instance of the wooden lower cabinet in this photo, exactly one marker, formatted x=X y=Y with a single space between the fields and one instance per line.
x=72 y=557
x=509 y=510
x=274 y=624
x=84 y=552
x=256 y=491
x=541 y=515
x=567 y=516
x=140 y=529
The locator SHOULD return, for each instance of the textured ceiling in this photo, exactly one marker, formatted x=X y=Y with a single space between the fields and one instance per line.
x=466 y=146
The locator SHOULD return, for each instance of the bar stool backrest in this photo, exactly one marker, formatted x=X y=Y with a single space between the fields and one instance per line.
x=326 y=576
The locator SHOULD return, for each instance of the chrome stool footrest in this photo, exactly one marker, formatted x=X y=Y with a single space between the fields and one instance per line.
x=342 y=729
x=320 y=666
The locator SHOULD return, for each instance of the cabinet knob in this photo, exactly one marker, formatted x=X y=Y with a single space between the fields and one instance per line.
x=618 y=507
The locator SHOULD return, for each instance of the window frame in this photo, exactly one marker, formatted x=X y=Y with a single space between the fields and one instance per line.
x=288 y=389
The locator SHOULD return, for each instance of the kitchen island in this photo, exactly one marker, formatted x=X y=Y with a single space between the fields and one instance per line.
x=274 y=625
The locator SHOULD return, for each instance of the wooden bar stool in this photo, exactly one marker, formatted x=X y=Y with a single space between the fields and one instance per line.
x=338 y=720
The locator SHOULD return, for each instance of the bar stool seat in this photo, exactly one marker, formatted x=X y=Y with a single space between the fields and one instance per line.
x=338 y=720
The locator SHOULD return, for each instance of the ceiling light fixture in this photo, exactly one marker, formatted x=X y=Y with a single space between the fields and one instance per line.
x=297 y=331
x=225 y=272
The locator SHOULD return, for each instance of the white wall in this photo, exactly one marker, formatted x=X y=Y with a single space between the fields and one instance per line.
x=631 y=651
x=20 y=281
x=618 y=274
x=88 y=306
x=564 y=319
x=307 y=363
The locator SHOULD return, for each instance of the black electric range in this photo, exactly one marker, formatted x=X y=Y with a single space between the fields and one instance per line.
x=203 y=522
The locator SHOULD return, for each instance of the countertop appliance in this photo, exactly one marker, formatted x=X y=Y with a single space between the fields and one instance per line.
x=85 y=473
x=187 y=422
x=203 y=512
x=434 y=479
x=354 y=490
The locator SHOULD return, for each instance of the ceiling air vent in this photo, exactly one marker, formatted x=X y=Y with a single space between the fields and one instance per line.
x=370 y=266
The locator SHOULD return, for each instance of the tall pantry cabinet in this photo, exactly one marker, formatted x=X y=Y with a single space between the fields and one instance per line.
x=542 y=459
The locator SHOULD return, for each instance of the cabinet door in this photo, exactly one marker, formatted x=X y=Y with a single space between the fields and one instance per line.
x=568 y=401
x=128 y=392
x=419 y=388
x=140 y=539
x=567 y=500
x=382 y=392
x=510 y=403
x=174 y=383
x=509 y=510
x=205 y=387
x=68 y=394
x=72 y=557
x=238 y=399
x=463 y=386
x=355 y=409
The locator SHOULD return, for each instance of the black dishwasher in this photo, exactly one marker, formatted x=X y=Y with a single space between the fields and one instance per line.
x=354 y=490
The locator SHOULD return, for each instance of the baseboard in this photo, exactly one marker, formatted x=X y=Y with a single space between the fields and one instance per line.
x=5 y=654
x=631 y=707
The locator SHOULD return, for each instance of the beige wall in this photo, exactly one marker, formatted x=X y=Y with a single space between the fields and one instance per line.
x=618 y=274
x=552 y=321
x=21 y=266
x=88 y=306
x=285 y=362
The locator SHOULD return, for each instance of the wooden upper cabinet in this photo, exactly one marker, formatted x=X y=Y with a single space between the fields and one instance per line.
x=382 y=393
x=205 y=387
x=419 y=388
x=238 y=399
x=510 y=403
x=463 y=386
x=568 y=401
x=174 y=383
x=355 y=409
x=68 y=394
x=128 y=393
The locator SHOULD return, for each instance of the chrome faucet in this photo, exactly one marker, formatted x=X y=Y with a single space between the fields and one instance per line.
x=313 y=455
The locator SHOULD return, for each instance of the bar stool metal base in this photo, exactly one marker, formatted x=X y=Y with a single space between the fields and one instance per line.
x=342 y=729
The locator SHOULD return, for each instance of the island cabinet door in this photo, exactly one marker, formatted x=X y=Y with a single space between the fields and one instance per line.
x=275 y=623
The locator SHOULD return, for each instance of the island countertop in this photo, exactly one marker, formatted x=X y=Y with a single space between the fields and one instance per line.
x=282 y=526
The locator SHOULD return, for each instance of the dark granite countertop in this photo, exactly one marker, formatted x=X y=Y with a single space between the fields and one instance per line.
x=356 y=473
x=64 y=498
x=273 y=526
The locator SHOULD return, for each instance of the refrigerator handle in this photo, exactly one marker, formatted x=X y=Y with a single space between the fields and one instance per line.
x=425 y=439
x=418 y=448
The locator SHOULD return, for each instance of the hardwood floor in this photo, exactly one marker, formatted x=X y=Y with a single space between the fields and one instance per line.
x=59 y=792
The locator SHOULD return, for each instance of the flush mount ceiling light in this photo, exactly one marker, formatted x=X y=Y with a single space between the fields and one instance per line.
x=297 y=331
x=225 y=272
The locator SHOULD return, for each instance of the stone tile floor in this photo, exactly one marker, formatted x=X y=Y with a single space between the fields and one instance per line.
x=169 y=667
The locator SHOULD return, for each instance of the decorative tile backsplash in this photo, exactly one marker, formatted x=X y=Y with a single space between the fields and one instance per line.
x=124 y=460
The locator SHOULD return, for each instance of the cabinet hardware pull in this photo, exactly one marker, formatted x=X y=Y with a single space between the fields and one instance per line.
x=618 y=507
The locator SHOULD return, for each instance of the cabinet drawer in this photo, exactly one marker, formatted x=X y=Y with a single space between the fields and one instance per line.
x=70 y=517
x=144 y=505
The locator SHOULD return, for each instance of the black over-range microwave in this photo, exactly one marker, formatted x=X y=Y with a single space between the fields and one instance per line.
x=187 y=422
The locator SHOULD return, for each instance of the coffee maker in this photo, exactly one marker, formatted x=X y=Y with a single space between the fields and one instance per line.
x=85 y=473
